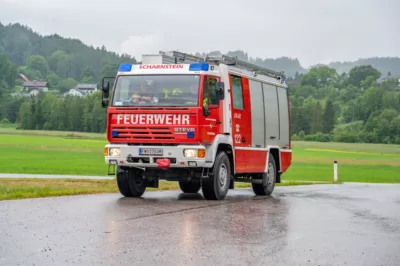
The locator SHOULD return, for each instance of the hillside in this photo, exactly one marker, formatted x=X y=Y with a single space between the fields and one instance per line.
x=289 y=65
x=73 y=60
x=60 y=61
x=384 y=64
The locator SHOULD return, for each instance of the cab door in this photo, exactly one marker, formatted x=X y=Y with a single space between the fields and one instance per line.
x=212 y=123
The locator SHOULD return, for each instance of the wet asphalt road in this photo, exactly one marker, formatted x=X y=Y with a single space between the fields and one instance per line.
x=350 y=224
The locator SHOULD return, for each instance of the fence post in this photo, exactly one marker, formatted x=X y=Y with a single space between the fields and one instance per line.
x=335 y=171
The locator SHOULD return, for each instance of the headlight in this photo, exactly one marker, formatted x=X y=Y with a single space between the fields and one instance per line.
x=115 y=151
x=189 y=152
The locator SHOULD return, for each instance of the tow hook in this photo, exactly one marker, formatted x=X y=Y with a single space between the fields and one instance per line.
x=163 y=164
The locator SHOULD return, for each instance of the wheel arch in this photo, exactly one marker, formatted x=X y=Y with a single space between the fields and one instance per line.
x=228 y=149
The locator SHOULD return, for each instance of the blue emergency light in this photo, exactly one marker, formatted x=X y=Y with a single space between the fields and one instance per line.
x=114 y=133
x=198 y=67
x=190 y=134
x=125 y=67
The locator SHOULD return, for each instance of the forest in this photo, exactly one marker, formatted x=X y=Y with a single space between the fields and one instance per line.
x=342 y=101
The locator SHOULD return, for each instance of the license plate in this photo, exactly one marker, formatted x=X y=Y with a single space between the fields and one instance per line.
x=150 y=151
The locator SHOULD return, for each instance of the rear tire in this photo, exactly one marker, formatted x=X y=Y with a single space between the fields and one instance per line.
x=216 y=186
x=268 y=178
x=190 y=187
x=130 y=182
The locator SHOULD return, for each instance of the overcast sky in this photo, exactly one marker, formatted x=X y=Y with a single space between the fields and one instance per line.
x=314 y=31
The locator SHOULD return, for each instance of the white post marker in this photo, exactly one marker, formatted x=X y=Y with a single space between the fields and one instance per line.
x=335 y=171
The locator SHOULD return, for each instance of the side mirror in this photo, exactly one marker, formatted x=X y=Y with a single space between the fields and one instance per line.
x=219 y=87
x=104 y=102
x=105 y=91
x=106 y=88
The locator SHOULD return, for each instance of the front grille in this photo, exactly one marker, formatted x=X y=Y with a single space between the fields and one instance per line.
x=142 y=133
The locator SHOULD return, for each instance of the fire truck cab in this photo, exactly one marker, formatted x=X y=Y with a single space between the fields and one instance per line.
x=204 y=122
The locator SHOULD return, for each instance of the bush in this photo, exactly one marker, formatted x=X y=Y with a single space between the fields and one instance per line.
x=319 y=137
x=4 y=121
x=301 y=135
x=47 y=126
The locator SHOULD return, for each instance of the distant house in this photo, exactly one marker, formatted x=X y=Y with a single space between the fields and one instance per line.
x=86 y=88
x=82 y=90
x=23 y=77
x=379 y=81
x=30 y=88
x=35 y=86
x=73 y=92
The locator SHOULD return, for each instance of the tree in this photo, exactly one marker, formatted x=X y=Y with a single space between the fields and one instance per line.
x=316 y=123
x=319 y=76
x=87 y=73
x=108 y=70
x=359 y=73
x=53 y=80
x=38 y=63
x=328 y=117
x=67 y=84
x=55 y=58
x=8 y=73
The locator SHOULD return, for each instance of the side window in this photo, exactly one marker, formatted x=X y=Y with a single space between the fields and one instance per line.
x=209 y=91
x=237 y=93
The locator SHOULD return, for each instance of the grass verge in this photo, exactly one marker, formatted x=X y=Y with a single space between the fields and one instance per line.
x=38 y=188
x=76 y=153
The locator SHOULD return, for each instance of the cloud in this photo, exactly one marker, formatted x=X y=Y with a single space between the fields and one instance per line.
x=313 y=31
x=139 y=45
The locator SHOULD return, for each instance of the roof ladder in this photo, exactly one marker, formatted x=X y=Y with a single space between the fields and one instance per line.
x=224 y=59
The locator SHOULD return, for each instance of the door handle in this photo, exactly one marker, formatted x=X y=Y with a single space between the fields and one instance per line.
x=243 y=140
x=272 y=137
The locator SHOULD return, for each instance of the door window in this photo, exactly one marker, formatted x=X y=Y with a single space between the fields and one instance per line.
x=237 y=93
x=209 y=91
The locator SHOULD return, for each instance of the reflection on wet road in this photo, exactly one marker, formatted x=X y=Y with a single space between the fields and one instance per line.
x=353 y=224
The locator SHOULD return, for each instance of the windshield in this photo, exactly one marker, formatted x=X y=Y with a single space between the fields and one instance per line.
x=157 y=90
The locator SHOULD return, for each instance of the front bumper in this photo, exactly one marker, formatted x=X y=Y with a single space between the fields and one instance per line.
x=129 y=156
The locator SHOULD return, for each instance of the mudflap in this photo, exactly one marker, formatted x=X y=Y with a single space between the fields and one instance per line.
x=232 y=184
x=154 y=183
x=278 y=177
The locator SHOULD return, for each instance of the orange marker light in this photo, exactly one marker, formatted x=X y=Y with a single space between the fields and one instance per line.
x=105 y=151
x=201 y=153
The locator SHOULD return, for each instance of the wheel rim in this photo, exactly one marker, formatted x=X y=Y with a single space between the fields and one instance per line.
x=270 y=175
x=223 y=175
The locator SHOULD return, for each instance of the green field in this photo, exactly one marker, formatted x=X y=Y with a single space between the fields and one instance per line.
x=50 y=152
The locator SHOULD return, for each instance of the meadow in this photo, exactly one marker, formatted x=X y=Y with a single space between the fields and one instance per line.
x=76 y=153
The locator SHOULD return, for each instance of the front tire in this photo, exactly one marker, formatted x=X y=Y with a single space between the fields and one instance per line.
x=268 y=179
x=130 y=182
x=216 y=186
x=189 y=187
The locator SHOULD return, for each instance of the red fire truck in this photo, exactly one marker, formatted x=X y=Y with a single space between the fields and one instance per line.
x=204 y=122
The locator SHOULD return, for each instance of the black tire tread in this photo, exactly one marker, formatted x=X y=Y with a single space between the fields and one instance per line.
x=209 y=186
x=259 y=189
x=126 y=184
